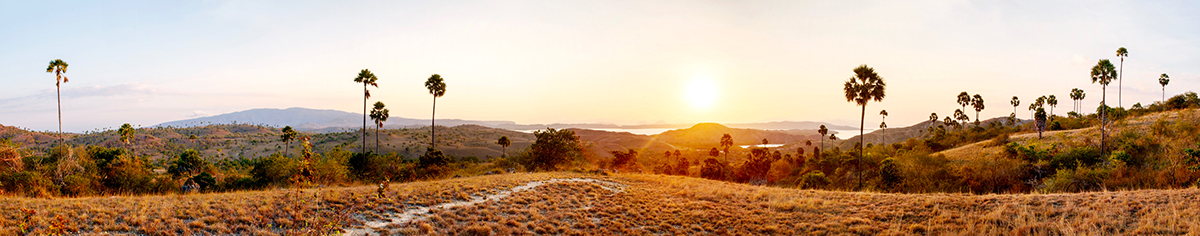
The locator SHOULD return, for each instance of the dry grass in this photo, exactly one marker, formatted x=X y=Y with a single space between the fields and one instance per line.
x=649 y=204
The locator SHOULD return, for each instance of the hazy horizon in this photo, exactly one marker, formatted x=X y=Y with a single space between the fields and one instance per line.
x=620 y=62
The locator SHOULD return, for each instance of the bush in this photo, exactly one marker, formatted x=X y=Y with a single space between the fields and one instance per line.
x=814 y=179
x=714 y=169
x=188 y=164
x=274 y=169
x=889 y=173
x=1076 y=180
x=1084 y=156
x=27 y=183
x=1124 y=158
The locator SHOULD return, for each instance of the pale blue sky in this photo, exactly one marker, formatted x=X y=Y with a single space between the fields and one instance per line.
x=628 y=62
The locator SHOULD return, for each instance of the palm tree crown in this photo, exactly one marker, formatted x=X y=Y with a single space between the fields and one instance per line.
x=864 y=86
x=437 y=88
x=58 y=67
x=366 y=78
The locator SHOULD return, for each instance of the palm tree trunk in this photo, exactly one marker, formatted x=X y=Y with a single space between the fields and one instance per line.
x=363 y=149
x=433 y=125
x=376 y=139
x=862 y=122
x=1119 y=82
x=1103 y=117
x=58 y=94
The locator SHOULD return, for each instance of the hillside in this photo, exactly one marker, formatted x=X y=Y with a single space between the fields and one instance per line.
x=305 y=119
x=708 y=135
x=900 y=134
x=626 y=204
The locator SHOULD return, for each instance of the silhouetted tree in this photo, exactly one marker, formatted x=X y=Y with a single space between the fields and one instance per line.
x=1121 y=53
x=864 y=86
x=823 y=131
x=379 y=114
x=1103 y=73
x=1052 y=101
x=1076 y=95
x=504 y=143
x=714 y=152
x=437 y=88
x=554 y=148
x=58 y=67
x=1163 y=80
x=883 y=124
x=287 y=136
x=961 y=116
x=366 y=78
x=964 y=99
x=1040 y=116
x=1015 y=102
x=977 y=103
x=726 y=143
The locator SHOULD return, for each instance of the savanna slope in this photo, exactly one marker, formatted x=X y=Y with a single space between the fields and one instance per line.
x=646 y=204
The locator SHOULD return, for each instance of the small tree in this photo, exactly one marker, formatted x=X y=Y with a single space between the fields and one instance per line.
x=379 y=114
x=504 y=143
x=1040 y=116
x=554 y=148
x=726 y=143
x=889 y=173
x=189 y=163
x=287 y=136
x=127 y=134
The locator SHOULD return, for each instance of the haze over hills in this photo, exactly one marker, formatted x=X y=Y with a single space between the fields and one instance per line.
x=316 y=120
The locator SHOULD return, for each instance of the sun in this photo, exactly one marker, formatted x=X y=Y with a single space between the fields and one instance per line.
x=701 y=92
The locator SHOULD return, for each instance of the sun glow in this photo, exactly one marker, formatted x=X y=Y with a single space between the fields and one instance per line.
x=701 y=92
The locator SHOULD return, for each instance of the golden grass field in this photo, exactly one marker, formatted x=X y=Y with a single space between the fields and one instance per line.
x=647 y=204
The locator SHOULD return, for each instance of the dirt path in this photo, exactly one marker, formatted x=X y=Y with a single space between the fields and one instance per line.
x=420 y=212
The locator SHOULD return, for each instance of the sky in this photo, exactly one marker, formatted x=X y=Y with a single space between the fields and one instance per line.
x=610 y=61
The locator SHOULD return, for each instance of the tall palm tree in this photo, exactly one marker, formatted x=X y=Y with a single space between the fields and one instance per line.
x=883 y=124
x=961 y=116
x=1103 y=73
x=1015 y=102
x=379 y=114
x=864 y=86
x=823 y=131
x=127 y=134
x=504 y=143
x=437 y=88
x=1163 y=80
x=1075 y=92
x=977 y=103
x=1122 y=53
x=366 y=78
x=964 y=99
x=288 y=134
x=1053 y=102
x=726 y=143
x=58 y=67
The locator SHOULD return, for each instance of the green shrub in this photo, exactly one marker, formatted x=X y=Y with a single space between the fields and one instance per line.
x=1076 y=157
x=274 y=169
x=889 y=173
x=1125 y=158
x=27 y=183
x=1076 y=180
x=1161 y=127
x=814 y=179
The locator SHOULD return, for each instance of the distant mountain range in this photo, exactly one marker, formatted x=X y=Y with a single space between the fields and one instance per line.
x=315 y=120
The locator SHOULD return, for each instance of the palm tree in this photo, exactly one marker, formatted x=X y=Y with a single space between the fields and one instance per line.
x=726 y=142
x=964 y=99
x=504 y=143
x=58 y=67
x=1122 y=53
x=823 y=131
x=883 y=124
x=977 y=103
x=961 y=116
x=379 y=114
x=864 y=86
x=437 y=88
x=127 y=134
x=1103 y=73
x=1075 y=97
x=1163 y=80
x=287 y=136
x=1053 y=102
x=366 y=78
x=1015 y=102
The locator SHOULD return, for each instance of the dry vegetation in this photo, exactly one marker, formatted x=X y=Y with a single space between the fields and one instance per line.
x=648 y=204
